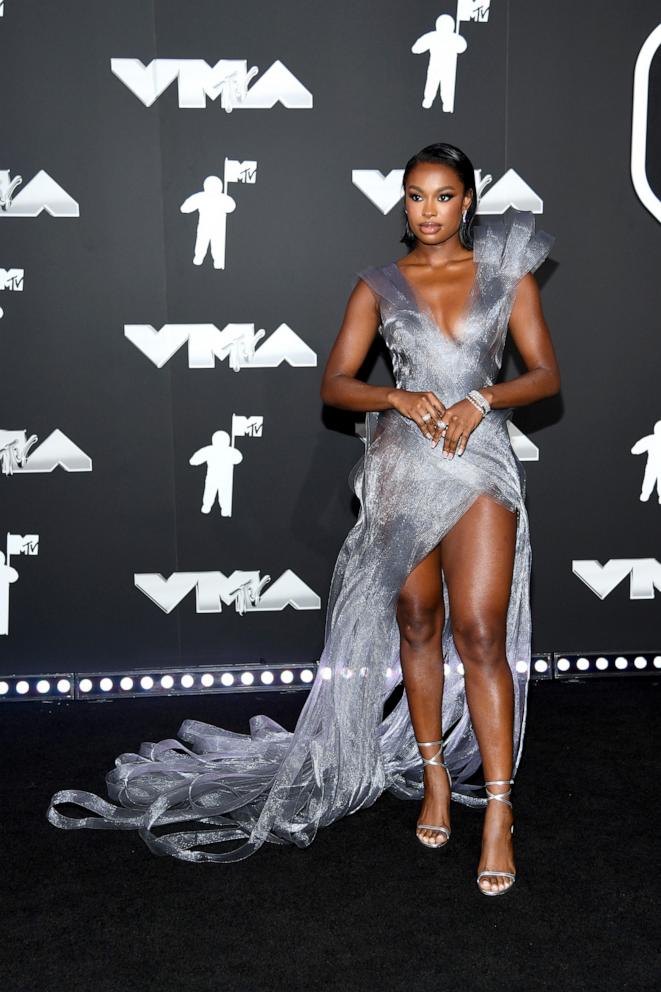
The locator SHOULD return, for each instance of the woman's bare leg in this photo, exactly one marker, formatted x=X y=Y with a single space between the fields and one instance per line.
x=478 y=558
x=420 y=616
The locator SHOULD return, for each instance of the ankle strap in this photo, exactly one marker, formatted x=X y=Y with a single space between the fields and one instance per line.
x=500 y=797
x=436 y=758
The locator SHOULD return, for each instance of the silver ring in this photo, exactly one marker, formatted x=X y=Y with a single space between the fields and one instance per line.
x=426 y=417
x=442 y=424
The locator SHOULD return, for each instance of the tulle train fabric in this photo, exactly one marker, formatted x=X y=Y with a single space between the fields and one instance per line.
x=280 y=787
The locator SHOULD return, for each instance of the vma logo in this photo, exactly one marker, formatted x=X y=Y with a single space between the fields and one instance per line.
x=57 y=451
x=228 y=80
x=242 y=590
x=17 y=544
x=12 y=280
x=644 y=576
x=41 y=193
x=220 y=457
x=510 y=190
x=235 y=342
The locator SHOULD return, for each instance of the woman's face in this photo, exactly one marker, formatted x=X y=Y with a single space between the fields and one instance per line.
x=434 y=202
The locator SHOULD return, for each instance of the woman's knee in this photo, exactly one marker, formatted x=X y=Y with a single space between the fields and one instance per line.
x=480 y=640
x=419 y=623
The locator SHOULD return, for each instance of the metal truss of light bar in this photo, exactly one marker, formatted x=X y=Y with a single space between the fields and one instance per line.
x=581 y=665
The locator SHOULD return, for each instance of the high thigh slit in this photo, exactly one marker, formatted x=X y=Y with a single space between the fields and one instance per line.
x=280 y=787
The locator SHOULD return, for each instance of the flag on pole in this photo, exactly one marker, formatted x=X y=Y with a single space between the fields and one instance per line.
x=473 y=10
x=240 y=172
x=246 y=426
x=22 y=544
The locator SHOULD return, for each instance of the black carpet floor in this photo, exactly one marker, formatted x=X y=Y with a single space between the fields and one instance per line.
x=365 y=907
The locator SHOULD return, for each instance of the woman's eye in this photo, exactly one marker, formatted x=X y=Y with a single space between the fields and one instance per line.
x=415 y=196
x=445 y=197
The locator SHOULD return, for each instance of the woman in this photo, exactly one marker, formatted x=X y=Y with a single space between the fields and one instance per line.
x=437 y=564
x=445 y=369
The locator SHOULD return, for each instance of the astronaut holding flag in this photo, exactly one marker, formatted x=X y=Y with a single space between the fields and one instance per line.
x=220 y=457
x=16 y=545
x=213 y=204
x=445 y=45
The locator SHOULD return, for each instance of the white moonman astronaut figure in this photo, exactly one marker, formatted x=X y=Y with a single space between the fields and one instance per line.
x=7 y=576
x=443 y=45
x=220 y=458
x=652 y=445
x=212 y=206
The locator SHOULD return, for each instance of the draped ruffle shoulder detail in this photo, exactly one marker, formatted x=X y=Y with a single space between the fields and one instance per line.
x=382 y=284
x=510 y=245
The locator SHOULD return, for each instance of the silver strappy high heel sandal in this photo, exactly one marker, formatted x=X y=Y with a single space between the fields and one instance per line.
x=436 y=759
x=500 y=797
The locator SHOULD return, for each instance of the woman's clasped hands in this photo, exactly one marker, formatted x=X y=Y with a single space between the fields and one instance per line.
x=453 y=424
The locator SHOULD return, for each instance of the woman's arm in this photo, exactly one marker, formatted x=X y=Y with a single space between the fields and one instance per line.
x=531 y=336
x=339 y=386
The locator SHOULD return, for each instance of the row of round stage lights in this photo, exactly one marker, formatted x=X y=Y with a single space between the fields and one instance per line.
x=581 y=665
x=118 y=684
x=260 y=678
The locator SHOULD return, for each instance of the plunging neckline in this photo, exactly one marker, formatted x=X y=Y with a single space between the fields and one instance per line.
x=425 y=310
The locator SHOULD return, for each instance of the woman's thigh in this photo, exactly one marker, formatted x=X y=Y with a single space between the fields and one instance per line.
x=477 y=556
x=421 y=596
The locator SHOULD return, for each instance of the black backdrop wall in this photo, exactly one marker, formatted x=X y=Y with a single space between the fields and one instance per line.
x=113 y=339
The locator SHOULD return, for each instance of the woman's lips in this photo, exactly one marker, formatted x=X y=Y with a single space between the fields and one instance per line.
x=430 y=228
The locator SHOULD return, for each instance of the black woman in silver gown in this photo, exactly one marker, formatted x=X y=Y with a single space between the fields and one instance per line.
x=279 y=787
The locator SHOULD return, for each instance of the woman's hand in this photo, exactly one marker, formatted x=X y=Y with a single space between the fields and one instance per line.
x=461 y=418
x=424 y=408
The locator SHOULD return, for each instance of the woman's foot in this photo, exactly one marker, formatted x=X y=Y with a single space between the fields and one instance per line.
x=435 y=809
x=497 y=845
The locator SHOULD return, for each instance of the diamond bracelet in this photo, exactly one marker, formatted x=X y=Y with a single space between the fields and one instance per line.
x=479 y=401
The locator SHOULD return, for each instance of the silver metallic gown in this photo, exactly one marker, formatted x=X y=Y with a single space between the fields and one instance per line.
x=280 y=787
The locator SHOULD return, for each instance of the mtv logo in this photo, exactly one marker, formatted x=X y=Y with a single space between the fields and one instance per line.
x=247 y=426
x=473 y=10
x=12 y=279
x=239 y=172
x=41 y=193
x=22 y=544
x=644 y=576
x=243 y=590
x=236 y=342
